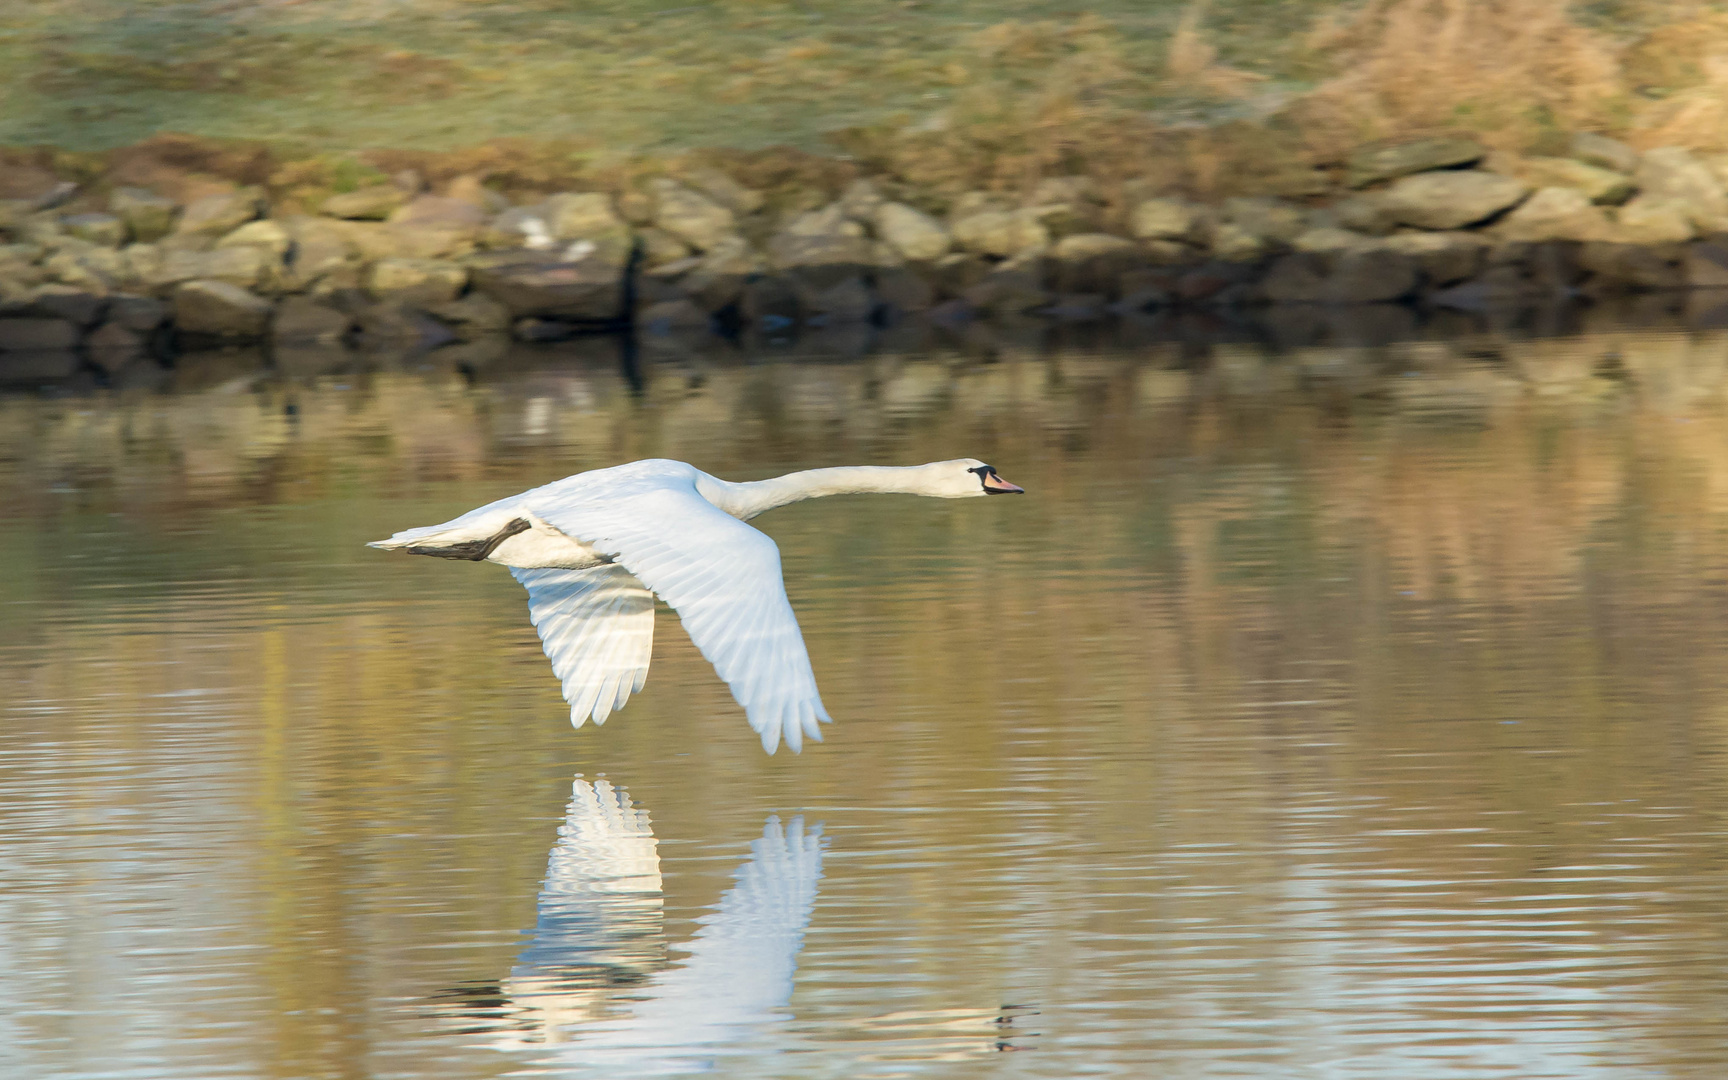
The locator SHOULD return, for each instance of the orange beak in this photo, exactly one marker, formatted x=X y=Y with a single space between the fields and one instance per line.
x=995 y=485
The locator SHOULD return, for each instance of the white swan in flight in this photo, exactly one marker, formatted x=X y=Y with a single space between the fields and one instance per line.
x=594 y=550
x=596 y=986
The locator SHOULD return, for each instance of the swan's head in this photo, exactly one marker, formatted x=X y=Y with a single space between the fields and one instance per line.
x=966 y=477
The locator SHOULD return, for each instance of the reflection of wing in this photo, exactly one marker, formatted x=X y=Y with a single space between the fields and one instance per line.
x=598 y=629
x=598 y=931
x=739 y=971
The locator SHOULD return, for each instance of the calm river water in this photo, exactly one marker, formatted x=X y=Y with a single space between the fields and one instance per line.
x=1320 y=712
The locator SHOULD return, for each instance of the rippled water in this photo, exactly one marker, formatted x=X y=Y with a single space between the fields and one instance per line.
x=1326 y=712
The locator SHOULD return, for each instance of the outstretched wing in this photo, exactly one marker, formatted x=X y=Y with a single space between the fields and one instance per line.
x=598 y=629
x=723 y=579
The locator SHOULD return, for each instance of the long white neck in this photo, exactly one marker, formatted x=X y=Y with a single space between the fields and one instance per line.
x=744 y=501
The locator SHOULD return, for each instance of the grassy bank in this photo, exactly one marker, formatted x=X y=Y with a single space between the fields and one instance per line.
x=1208 y=96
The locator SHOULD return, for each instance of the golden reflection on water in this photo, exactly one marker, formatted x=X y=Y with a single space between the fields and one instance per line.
x=1334 y=712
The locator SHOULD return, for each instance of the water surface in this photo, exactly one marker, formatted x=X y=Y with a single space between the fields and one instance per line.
x=1333 y=712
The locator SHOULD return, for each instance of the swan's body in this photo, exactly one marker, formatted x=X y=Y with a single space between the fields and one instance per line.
x=594 y=550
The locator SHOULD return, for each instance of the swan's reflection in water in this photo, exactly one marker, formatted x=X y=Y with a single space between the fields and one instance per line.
x=596 y=985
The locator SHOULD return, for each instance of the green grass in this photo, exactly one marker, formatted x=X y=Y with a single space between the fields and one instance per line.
x=623 y=75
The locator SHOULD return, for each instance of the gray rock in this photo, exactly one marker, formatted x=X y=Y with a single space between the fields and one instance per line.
x=220 y=309
x=300 y=320
x=1163 y=219
x=519 y=227
x=692 y=217
x=80 y=307
x=1555 y=213
x=590 y=216
x=1297 y=278
x=862 y=200
x=271 y=237
x=91 y=269
x=719 y=278
x=420 y=282
x=1364 y=214
x=321 y=250
x=434 y=227
x=1002 y=233
x=726 y=191
x=1016 y=286
x=669 y=315
x=374 y=203
x=1673 y=175
x=1706 y=265
x=904 y=290
x=1326 y=238
x=1603 y=152
x=1651 y=219
x=1370 y=165
x=768 y=300
x=1372 y=275
x=1598 y=185
x=473 y=315
x=38 y=366
x=911 y=232
x=148 y=216
x=1092 y=263
x=140 y=313
x=1635 y=267
x=1272 y=219
x=1445 y=258
x=1232 y=243
x=243 y=267
x=544 y=286
x=660 y=248
x=1450 y=200
x=848 y=299
x=220 y=214
x=788 y=250
x=34 y=335
x=106 y=230
x=113 y=346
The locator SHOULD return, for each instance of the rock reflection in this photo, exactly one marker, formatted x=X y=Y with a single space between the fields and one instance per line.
x=596 y=984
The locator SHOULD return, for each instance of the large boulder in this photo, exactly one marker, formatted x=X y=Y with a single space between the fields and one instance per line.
x=1555 y=213
x=1451 y=200
x=726 y=191
x=1273 y=219
x=1673 y=175
x=220 y=309
x=589 y=216
x=1163 y=219
x=33 y=335
x=542 y=285
x=1092 y=263
x=1362 y=275
x=301 y=320
x=221 y=213
x=242 y=267
x=1597 y=184
x=436 y=226
x=421 y=282
x=1002 y=233
x=914 y=234
x=272 y=237
x=690 y=216
x=1445 y=258
x=1603 y=152
x=374 y=203
x=1652 y=219
x=321 y=252
x=148 y=216
x=1372 y=164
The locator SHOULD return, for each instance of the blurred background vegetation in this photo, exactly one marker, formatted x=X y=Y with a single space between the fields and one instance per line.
x=947 y=95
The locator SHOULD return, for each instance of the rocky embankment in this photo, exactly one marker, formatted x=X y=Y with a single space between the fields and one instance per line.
x=1437 y=223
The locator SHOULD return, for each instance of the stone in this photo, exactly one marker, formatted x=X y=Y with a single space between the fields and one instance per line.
x=1232 y=243
x=1163 y=219
x=221 y=213
x=473 y=315
x=104 y=229
x=660 y=248
x=719 y=278
x=33 y=335
x=1272 y=219
x=1451 y=200
x=788 y=250
x=1555 y=213
x=669 y=315
x=544 y=286
x=38 y=366
x=1706 y=265
x=374 y=203
x=472 y=190
x=400 y=326
x=220 y=309
x=1297 y=278
x=690 y=216
x=862 y=200
x=1092 y=263
x=519 y=227
x=968 y=203
x=148 y=216
x=829 y=220
x=434 y=227
x=1372 y=275
x=97 y=270
x=1445 y=258
x=1649 y=219
x=1673 y=175
x=1013 y=287
x=903 y=289
x=911 y=232
x=113 y=346
x=1599 y=185
x=321 y=250
x=301 y=320
x=268 y=236
x=1603 y=152
x=80 y=307
x=1365 y=213
x=140 y=313
x=1002 y=233
x=1637 y=267
x=726 y=191
x=1372 y=164
x=848 y=299
x=590 y=216
x=1327 y=238
x=421 y=282
x=243 y=267
x=769 y=303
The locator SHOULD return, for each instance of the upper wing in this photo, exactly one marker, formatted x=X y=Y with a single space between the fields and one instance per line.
x=598 y=629
x=723 y=579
